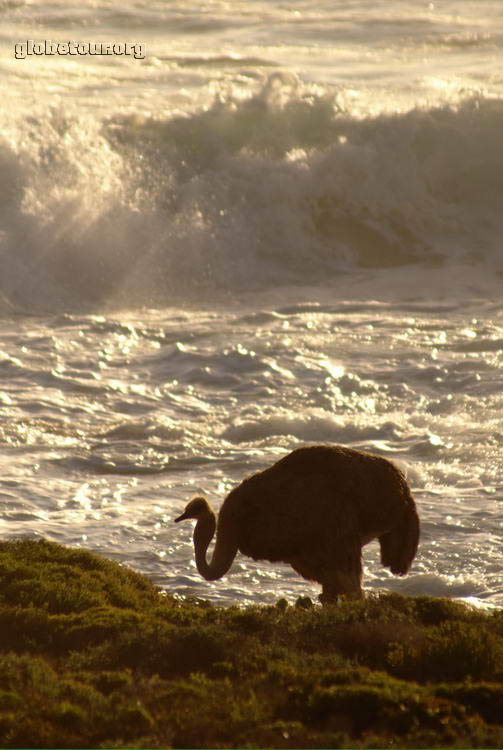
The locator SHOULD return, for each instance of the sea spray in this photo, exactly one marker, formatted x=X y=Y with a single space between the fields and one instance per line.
x=281 y=187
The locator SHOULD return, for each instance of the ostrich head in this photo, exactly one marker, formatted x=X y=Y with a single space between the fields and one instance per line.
x=196 y=508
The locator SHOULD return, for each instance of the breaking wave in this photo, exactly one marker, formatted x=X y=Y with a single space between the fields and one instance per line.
x=287 y=186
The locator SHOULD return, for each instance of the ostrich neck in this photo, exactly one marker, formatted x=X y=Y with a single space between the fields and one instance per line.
x=223 y=553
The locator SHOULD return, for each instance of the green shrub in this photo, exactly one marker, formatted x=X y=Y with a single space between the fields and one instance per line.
x=459 y=651
x=485 y=699
x=92 y=655
x=431 y=611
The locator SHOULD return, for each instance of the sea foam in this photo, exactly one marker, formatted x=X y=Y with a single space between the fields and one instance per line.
x=287 y=186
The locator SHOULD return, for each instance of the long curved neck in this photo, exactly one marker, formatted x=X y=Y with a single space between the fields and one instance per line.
x=223 y=553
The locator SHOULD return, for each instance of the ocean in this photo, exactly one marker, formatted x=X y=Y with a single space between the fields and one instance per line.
x=229 y=229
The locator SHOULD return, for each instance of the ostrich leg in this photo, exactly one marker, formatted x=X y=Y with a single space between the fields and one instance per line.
x=337 y=583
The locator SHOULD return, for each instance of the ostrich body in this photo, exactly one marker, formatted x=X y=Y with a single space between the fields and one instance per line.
x=314 y=509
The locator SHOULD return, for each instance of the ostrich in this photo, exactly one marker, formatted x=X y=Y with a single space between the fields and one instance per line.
x=314 y=509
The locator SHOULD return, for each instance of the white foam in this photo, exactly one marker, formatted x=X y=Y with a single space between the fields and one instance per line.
x=275 y=189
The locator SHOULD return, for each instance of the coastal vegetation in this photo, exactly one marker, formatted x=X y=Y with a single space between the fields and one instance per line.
x=93 y=655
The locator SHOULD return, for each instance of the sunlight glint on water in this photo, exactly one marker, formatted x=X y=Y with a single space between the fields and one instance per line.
x=282 y=226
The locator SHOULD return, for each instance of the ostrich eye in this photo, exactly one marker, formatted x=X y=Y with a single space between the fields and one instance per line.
x=197 y=505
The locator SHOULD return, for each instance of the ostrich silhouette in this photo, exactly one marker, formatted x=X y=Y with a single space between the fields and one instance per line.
x=314 y=509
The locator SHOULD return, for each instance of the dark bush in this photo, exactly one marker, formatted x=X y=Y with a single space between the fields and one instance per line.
x=91 y=655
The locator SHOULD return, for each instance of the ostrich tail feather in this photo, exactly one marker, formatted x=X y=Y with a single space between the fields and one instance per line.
x=399 y=545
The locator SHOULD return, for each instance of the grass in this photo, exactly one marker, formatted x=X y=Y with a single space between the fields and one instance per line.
x=92 y=655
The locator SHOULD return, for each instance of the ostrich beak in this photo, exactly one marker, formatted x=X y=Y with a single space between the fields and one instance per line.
x=182 y=517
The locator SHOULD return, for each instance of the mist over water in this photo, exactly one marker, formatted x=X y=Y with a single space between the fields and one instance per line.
x=282 y=187
x=282 y=227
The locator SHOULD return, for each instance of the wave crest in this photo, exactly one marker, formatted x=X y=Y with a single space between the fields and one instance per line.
x=287 y=186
